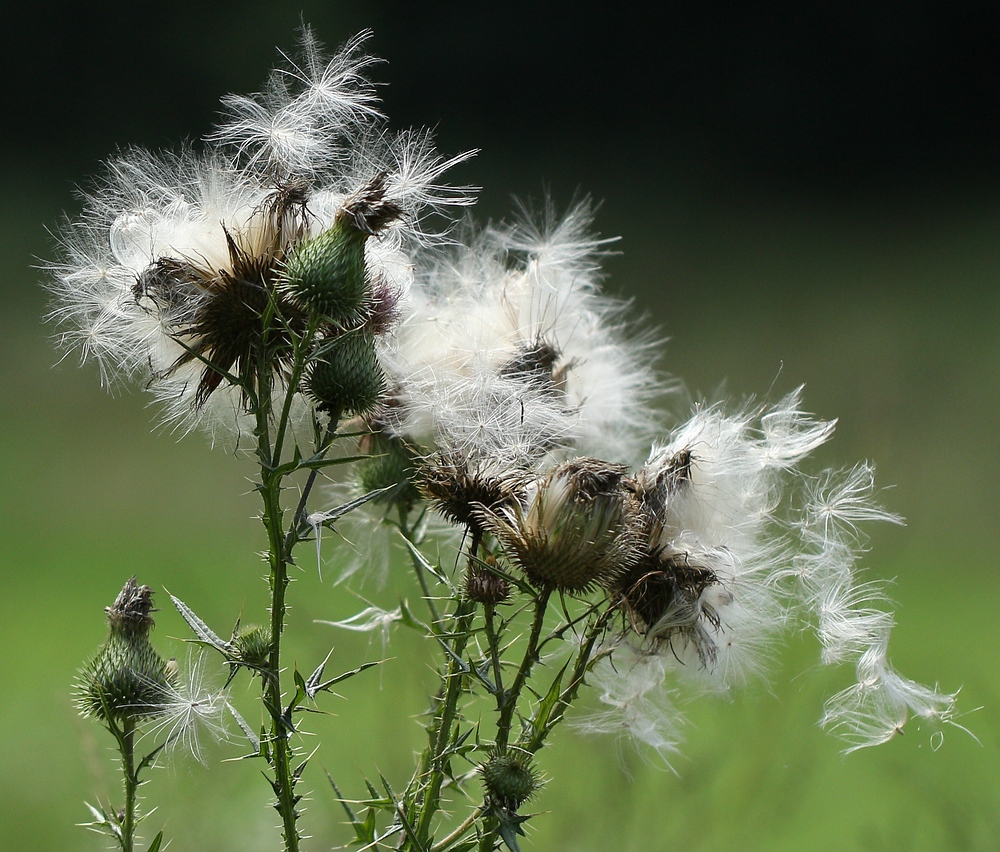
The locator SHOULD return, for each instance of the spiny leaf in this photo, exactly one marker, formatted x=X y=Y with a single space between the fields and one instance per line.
x=248 y=732
x=332 y=515
x=425 y=563
x=148 y=759
x=410 y=620
x=200 y=628
x=548 y=704
x=344 y=676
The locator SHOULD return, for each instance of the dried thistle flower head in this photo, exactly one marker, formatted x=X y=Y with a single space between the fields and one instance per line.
x=486 y=586
x=461 y=488
x=199 y=271
x=576 y=528
x=738 y=538
x=127 y=679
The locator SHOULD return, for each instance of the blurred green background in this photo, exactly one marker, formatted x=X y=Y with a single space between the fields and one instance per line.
x=804 y=195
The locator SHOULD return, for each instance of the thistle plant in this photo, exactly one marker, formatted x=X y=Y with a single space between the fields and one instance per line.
x=298 y=287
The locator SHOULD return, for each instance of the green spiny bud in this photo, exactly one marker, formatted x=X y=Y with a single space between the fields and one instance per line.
x=128 y=678
x=328 y=274
x=391 y=464
x=251 y=646
x=510 y=778
x=347 y=377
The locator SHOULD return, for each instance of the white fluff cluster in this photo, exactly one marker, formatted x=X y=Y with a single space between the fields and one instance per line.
x=749 y=541
x=508 y=350
x=275 y=173
x=502 y=357
x=192 y=710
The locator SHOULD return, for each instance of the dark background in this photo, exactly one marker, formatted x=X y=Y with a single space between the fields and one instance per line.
x=832 y=100
x=806 y=192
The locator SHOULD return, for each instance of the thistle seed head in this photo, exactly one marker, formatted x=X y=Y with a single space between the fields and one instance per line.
x=576 y=529
x=485 y=586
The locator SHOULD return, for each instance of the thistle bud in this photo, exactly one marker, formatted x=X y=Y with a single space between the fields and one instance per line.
x=327 y=274
x=347 y=377
x=251 y=646
x=484 y=586
x=510 y=778
x=391 y=464
x=576 y=529
x=128 y=678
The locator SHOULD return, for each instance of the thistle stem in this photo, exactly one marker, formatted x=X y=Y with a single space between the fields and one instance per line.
x=508 y=699
x=280 y=750
x=281 y=730
x=127 y=743
x=436 y=759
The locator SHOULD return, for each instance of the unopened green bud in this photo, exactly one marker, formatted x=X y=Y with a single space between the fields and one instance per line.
x=510 y=778
x=327 y=274
x=347 y=377
x=391 y=465
x=127 y=678
x=251 y=647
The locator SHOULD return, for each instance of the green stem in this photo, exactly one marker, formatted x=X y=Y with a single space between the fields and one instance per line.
x=508 y=698
x=584 y=657
x=494 y=643
x=131 y=785
x=436 y=758
x=443 y=844
x=280 y=750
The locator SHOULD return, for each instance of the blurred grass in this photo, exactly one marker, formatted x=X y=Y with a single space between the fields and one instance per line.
x=890 y=315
